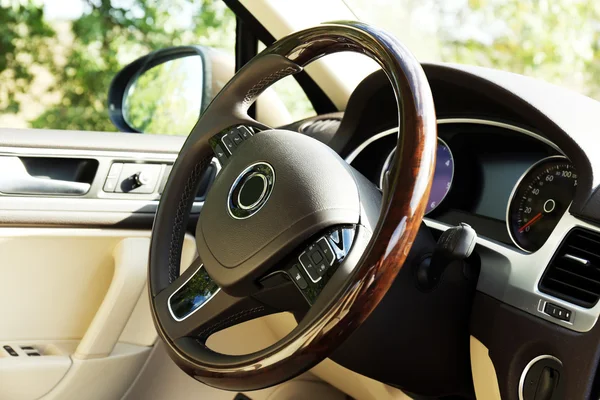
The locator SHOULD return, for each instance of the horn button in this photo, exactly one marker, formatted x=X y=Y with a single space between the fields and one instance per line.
x=279 y=189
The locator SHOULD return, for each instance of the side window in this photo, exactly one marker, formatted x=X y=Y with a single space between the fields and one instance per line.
x=59 y=60
x=294 y=98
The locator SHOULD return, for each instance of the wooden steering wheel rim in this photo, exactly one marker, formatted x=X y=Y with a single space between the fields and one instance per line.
x=401 y=214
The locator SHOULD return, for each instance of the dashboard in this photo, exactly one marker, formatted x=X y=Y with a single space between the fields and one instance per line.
x=517 y=161
x=511 y=184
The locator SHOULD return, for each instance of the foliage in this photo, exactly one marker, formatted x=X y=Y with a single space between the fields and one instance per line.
x=554 y=40
x=558 y=41
x=23 y=41
x=109 y=35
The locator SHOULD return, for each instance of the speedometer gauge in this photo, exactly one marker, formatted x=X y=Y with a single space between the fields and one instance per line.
x=539 y=200
x=442 y=177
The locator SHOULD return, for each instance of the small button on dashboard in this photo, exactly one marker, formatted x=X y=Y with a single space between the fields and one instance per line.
x=244 y=132
x=220 y=153
x=322 y=268
x=317 y=262
x=228 y=142
x=317 y=258
x=237 y=139
x=557 y=312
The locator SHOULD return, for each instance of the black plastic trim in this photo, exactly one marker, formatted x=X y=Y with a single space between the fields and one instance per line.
x=246 y=47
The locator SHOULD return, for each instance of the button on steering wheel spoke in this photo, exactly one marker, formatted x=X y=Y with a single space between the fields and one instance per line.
x=311 y=267
x=226 y=142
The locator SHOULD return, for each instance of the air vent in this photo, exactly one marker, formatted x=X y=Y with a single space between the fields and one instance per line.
x=321 y=126
x=574 y=272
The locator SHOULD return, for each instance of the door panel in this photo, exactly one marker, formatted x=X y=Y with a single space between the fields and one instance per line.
x=58 y=282
x=140 y=327
x=27 y=378
x=73 y=265
x=101 y=378
x=76 y=297
x=125 y=289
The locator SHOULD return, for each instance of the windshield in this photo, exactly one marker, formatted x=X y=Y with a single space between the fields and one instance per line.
x=554 y=40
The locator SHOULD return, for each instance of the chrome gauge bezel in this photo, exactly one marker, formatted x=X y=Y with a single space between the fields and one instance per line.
x=448 y=121
x=511 y=198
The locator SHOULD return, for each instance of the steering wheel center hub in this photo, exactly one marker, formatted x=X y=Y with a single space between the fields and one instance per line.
x=278 y=190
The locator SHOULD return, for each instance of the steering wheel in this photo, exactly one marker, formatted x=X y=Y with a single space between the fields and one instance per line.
x=288 y=225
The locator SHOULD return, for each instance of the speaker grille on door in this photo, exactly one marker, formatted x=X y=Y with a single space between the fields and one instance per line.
x=574 y=272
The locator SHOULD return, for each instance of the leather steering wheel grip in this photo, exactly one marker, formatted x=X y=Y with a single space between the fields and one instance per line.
x=402 y=210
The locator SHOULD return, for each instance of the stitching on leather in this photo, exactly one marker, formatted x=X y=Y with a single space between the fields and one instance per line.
x=268 y=81
x=206 y=332
x=181 y=217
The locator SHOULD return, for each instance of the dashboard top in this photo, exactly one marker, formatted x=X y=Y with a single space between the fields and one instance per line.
x=555 y=114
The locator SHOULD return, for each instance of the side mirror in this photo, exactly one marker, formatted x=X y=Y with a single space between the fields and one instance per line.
x=162 y=92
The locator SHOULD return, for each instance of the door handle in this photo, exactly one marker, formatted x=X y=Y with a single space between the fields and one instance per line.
x=18 y=181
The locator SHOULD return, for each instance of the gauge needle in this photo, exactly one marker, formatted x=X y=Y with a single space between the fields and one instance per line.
x=531 y=222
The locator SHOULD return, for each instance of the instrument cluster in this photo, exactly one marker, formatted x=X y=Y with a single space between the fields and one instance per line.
x=511 y=184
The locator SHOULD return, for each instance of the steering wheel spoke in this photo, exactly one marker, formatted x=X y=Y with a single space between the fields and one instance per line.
x=197 y=307
x=223 y=311
x=312 y=266
x=194 y=306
